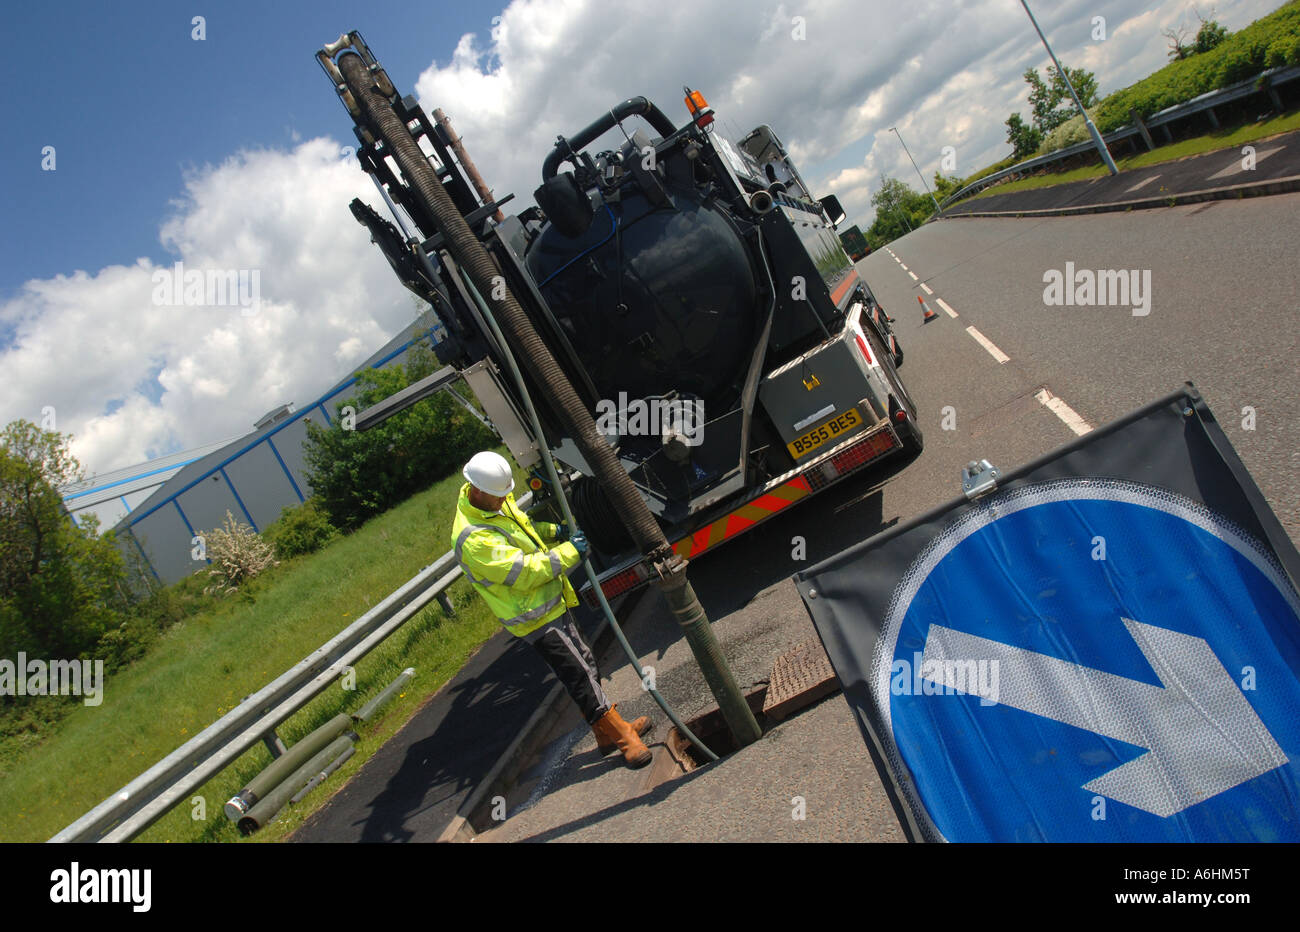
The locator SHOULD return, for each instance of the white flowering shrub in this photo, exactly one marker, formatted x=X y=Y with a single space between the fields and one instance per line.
x=238 y=554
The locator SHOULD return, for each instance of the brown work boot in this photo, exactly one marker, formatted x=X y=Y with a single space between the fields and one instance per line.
x=605 y=743
x=611 y=728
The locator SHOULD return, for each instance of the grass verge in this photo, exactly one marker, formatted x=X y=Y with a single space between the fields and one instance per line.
x=200 y=668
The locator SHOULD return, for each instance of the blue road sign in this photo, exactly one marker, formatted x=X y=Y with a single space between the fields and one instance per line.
x=1095 y=660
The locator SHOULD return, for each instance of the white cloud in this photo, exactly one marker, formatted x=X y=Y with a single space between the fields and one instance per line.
x=945 y=74
x=190 y=375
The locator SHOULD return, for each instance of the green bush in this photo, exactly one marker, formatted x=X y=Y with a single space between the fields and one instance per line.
x=1235 y=58
x=301 y=529
x=1240 y=63
x=1284 y=50
x=237 y=554
x=1072 y=132
x=358 y=474
x=995 y=167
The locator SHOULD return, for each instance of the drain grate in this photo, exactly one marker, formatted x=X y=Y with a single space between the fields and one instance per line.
x=800 y=677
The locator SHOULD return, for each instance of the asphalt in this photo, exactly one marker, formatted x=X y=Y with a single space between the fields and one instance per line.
x=1221 y=173
x=1222 y=313
x=412 y=787
x=809 y=778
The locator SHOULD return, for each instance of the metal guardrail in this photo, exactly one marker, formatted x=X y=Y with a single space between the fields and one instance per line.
x=149 y=796
x=1210 y=99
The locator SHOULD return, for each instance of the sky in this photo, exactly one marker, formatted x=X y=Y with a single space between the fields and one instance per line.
x=140 y=138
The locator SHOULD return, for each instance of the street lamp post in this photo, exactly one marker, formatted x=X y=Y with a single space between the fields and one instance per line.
x=894 y=130
x=1092 y=129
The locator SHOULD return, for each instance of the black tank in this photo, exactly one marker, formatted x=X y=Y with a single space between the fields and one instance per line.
x=654 y=300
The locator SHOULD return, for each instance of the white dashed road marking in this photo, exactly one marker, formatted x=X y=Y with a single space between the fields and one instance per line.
x=1141 y=184
x=944 y=304
x=913 y=274
x=985 y=342
x=1237 y=167
x=926 y=288
x=1064 y=412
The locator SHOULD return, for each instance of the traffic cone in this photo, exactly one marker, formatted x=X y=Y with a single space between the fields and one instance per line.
x=927 y=315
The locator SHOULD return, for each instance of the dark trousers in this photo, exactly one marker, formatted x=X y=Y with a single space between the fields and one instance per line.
x=562 y=647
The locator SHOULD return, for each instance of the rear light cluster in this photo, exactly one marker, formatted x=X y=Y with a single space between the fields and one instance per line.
x=862 y=345
x=619 y=583
x=854 y=457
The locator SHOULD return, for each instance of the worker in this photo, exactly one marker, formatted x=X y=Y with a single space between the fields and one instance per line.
x=518 y=568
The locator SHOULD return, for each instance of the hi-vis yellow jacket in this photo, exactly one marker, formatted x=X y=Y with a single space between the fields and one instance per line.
x=503 y=555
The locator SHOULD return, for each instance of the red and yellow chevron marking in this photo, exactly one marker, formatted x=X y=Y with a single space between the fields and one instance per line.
x=743 y=518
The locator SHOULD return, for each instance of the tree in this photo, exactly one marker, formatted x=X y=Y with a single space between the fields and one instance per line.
x=1024 y=139
x=945 y=185
x=1178 y=49
x=61 y=586
x=1209 y=35
x=1050 y=100
x=899 y=210
x=357 y=474
x=891 y=196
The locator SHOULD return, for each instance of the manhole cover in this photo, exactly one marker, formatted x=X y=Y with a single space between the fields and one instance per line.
x=800 y=677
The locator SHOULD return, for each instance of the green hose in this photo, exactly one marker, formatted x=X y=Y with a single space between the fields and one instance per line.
x=568 y=518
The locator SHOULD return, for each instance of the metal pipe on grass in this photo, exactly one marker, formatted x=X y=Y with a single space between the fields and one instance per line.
x=284 y=765
x=321 y=777
x=267 y=809
x=391 y=690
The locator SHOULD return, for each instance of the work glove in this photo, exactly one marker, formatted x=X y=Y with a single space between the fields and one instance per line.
x=579 y=541
x=561 y=532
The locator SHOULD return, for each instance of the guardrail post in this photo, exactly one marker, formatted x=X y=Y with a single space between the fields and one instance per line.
x=445 y=602
x=1214 y=119
x=273 y=743
x=1142 y=128
x=1273 y=96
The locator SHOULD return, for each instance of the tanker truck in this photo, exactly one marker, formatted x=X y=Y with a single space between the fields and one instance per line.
x=696 y=295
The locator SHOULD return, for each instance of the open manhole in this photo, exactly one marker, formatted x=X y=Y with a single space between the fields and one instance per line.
x=711 y=728
x=801 y=677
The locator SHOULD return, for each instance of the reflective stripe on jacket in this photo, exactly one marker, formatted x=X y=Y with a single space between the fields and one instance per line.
x=506 y=560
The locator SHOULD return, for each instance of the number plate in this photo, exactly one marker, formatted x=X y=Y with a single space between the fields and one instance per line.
x=836 y=427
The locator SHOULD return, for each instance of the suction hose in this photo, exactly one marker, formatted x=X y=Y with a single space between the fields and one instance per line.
x=479 y=269
x=568 y=518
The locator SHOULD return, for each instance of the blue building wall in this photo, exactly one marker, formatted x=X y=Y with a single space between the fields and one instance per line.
x=254 y=478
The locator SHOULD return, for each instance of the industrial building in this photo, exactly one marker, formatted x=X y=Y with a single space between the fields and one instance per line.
x=157 y=508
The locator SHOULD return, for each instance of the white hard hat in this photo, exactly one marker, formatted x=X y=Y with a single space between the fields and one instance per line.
x=490 y=473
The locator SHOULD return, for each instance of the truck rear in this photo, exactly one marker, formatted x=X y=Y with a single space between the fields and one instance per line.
x=699 y=300
x=855 y=244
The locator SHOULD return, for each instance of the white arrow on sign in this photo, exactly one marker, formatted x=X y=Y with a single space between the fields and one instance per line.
x=1202 y=736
